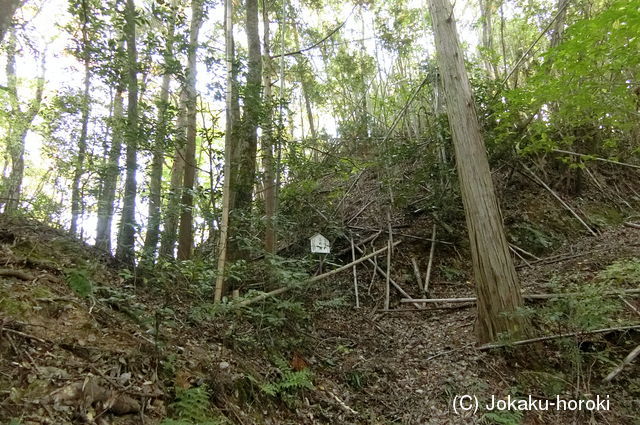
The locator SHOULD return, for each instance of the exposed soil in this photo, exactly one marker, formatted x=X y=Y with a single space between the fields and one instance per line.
x=118 y=355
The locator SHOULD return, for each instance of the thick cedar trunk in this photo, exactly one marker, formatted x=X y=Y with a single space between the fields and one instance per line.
x=111 y=173
x=497 y=285
x=228 y=148
x=185 y=235
x=20 y=125
x=8 y=8
x=76 y=197
x=125 y=251
x=268 y=164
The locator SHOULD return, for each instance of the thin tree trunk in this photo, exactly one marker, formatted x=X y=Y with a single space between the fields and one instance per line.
x=268 y=165
x=497 y=285
x=112 y=171
x=226 y=191
x=152 y=236
x=245 y=158
x=76 y=200
x=126 y=234
x=558 y=25
x=172 y=211
x=20 y=125
x=185 y=234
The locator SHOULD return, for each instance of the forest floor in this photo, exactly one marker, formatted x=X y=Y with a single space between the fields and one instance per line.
x=81 y=344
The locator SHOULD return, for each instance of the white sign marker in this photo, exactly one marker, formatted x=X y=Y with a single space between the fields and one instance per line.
x=319 y=244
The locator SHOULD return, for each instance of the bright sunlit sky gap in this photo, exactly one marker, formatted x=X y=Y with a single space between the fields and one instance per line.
x=63 y=70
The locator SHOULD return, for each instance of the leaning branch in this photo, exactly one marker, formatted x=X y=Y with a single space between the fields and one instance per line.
x=528 y=297
x=315 y=278
x=551 y=337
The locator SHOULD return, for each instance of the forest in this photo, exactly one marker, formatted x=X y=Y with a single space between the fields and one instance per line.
x=319 y=212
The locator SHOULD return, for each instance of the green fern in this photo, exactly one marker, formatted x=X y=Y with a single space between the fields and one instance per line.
x=192 y=407
x=503 y=417
x=289 y=382
x=79 y=281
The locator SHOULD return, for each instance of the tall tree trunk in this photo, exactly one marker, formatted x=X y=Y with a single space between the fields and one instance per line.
x=76 y=198
x=486 y=12
x=20 y=124
x=228 y=140
x=558 y=25
x=125 y=250
x=185 y=235
x=172 y=211
x=152 y=236
x=245 y=165
x=8 y=8
x=112 y=171
x=304 y=82
x=497 y=286
x=268 y=164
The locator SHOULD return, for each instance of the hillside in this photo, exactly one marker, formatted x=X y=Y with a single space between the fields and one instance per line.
x=84 y=341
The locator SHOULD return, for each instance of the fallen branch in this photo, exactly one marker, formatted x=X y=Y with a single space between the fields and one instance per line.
x=627 y=360
x=610 y=161
x=314 y=278
x=526 y=297
x=555 y=195
x=551 y=337
x=633 y=225
x=16 y=273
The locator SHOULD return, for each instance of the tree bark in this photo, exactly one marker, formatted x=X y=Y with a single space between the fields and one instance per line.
x=20 y=124
x=185 y=235
x=76 y=197
x=228 y=139
x=9 y=8
x=245 y=159
x=125 y=251
x=110 y=177
x=268 y=164
x=497 y=286
x=172 y=210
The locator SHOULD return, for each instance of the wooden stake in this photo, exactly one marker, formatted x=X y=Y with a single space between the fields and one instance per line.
x=416 y=271
x=427 y=277
x=355 y=273
x=389 y=244
x=384 y=275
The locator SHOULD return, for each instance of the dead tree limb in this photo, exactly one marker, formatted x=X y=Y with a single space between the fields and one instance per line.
x=551 y=337
x=314 y=278
x=627 y=360
x=528 y=297
x=555 y=195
